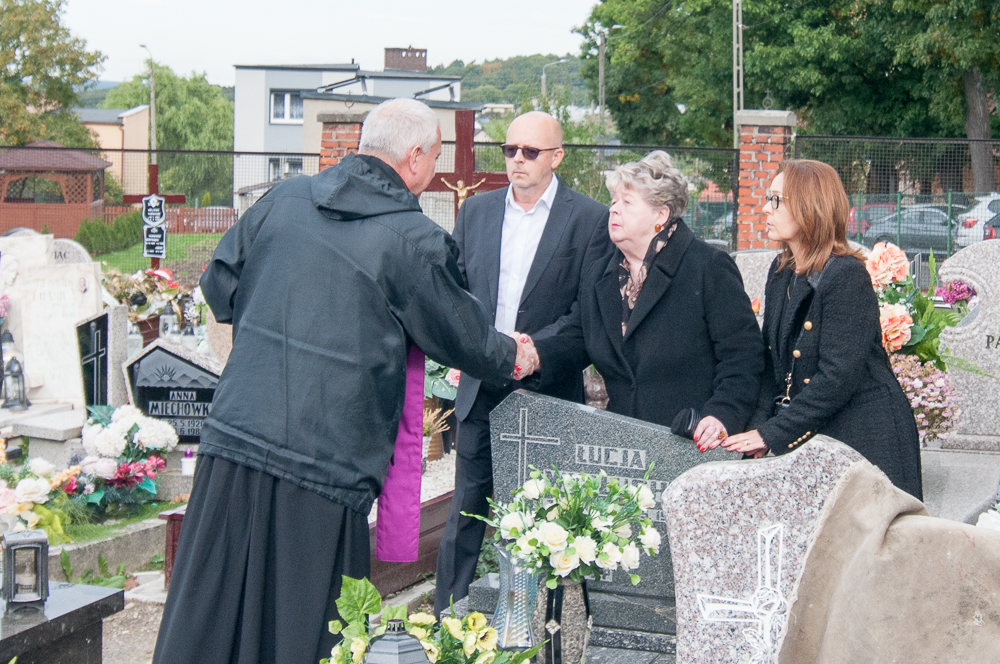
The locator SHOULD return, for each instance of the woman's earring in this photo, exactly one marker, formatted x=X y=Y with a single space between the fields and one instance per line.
x=658 y=228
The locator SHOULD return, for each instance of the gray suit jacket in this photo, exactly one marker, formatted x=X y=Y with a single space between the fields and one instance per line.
x=575 y=237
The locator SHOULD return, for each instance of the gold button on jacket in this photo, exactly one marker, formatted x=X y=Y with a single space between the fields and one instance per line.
x=808 y=325
x=796 y=353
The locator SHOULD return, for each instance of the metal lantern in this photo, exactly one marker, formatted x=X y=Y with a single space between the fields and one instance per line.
x=14 y=388
x=395 y=646
x=26 y=567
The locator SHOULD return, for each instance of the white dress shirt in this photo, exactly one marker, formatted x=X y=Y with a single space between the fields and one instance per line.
x=519 y=240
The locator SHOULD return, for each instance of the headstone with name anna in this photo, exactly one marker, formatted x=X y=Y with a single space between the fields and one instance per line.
x=976 y=342
x=532 y=430
x=173 y=383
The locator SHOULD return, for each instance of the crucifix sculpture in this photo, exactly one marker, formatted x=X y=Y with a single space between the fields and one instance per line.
x=522 y=438
x=766 y=604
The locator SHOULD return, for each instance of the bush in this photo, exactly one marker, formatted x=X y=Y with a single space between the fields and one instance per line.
x=100 y=238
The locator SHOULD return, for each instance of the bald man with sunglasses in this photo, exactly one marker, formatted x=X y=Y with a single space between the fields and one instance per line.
x=523 y=249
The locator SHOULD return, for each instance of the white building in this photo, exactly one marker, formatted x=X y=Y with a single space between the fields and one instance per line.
x=269 y=113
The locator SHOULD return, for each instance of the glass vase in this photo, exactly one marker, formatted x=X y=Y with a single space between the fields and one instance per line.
x=516 y=604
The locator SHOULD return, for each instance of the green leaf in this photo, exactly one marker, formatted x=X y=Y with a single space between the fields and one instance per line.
x=67 y=567
x=335 y=626
x=148 y=485
x=527 y=654
x=95 y=498
x=101 y=414
x=917 y=334
x=395 y=612
x=635 y=579
x=102 y=565
x=358 y=598
x=353 y=631
x=552 y=583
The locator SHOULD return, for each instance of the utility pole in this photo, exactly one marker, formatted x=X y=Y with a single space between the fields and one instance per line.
x=544 y=89
x=602 y=37
x=737 y=67
x=152 y=107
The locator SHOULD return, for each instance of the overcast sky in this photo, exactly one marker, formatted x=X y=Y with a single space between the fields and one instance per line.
x=214 y=35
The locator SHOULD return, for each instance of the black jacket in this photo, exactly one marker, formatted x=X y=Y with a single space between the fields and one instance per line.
x=692 y=339
x=327 y=281
x=575 y=237
x=842 y=383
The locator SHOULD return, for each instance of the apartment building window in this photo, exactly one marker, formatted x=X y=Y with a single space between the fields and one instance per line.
x=286 y=107
x=279 y=168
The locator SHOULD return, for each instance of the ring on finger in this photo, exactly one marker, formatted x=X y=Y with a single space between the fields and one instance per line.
x=721 y=435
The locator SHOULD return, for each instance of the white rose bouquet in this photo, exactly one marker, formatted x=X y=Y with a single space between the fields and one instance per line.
x=577 y=526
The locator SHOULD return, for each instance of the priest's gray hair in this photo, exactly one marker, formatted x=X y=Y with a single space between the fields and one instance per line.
x=395 y=126
x=655 y=179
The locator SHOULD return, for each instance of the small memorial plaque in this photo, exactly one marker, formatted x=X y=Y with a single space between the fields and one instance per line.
x=532 y=430
x=172 y=383
x=153 y=210
x=154 y=241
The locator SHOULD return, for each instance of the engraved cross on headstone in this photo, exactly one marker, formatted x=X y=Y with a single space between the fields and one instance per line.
x=94 y=358
x=522 y=438
x=766 y=604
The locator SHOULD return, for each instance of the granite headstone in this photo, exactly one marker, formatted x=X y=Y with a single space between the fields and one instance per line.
x=532 y=430
x=739 y=537
x=103 y=343
x=171 y=382
x=976 y=341
x=754 y=265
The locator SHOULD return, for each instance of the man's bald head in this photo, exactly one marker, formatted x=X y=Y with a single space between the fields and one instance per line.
x=540 y=122
x=530 y=177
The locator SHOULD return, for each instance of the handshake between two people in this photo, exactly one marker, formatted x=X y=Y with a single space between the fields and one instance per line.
x=527 y=361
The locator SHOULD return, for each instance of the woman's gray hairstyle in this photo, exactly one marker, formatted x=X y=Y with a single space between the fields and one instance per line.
x=393 y=127
x=655 y=179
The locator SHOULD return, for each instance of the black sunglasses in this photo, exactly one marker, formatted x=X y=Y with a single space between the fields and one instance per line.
x=531 y=154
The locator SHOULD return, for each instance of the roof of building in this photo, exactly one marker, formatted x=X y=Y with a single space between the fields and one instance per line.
x=111 y=116
x=345 y=66
x=50 y=156
x=405 y=73
x=371 y=99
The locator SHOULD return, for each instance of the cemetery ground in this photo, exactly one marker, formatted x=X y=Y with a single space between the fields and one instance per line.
x=187 y=255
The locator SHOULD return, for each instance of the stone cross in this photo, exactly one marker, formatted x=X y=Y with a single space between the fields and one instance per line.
x=764 y=607
x=523 y=439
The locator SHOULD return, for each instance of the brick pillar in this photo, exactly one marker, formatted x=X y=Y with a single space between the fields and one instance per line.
x=341 y=135
x=765 y=137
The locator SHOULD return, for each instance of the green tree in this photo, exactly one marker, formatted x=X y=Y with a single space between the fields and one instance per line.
x=957 y=45
x=191 y=114
x=517 y=79
x=41 y=65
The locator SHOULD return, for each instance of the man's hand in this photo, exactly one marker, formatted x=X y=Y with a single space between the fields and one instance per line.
x=527 y=361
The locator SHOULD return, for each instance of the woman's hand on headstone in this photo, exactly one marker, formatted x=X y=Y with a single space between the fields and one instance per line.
x=748 y=443
x=709 y=433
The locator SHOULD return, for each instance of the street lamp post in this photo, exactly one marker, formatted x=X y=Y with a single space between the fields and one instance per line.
x=557 y=62
x=152 y=107
x=602 y=39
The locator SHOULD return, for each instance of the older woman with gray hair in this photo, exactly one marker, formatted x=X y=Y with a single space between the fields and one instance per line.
x=666 y=322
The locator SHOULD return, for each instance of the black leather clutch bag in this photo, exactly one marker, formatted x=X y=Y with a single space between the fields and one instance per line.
x=685 y=423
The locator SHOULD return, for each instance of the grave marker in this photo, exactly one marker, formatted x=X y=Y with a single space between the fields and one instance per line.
x=974 y=341
x=172 y=383
x=532 y=430
x=69 y=251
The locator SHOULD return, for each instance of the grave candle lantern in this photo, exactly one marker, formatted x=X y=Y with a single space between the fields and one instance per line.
x=25 y=567
x=14 y=388
x=395 y=646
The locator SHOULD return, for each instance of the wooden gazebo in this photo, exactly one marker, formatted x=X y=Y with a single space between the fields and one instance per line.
x=46 y=184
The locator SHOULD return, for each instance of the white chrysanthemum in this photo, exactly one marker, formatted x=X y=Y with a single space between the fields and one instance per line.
x=103 y=468
x=41 y=467
x=111 y=441
x=90 y=432
x=155 y=434
x=127 y=413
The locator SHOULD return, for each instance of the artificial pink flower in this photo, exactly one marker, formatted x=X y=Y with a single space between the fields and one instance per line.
x=887 y=264
x=896 y=323
x=452 y=377
x=755 y=305
x=7 y=498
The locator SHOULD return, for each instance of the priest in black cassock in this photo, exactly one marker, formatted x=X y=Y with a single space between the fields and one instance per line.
x=328 y=281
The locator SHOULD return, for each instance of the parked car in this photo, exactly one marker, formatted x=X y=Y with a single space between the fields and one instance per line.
x=972 y=225
x=919 y=228
x=865 y=215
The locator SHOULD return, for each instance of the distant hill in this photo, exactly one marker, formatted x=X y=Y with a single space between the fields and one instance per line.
x=518 y=79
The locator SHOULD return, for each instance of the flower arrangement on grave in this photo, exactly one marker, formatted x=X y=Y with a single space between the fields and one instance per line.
x=929 y=391
x=576 y=526
x=34 y=496
x=439 y=380
x=468 y=640
x=990 y=518
x=910 y=323
x=959 y=295
x=147 y=293
x=125 y=451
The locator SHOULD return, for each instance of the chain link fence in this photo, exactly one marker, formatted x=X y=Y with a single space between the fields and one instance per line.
x=711 y=172
x=923 y=195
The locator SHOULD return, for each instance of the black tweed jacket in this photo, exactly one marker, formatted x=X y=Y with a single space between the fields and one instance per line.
x=842 y=384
